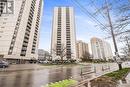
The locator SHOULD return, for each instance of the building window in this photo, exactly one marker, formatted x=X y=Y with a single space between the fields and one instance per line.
x=16 y=27
x=28 y=28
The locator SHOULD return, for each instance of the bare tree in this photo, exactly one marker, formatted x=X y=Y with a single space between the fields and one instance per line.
x=47 y=56
x=61 y=51
x=118 y=25
x=86 y=57
x=114 y=26
x=124 y=50
x=125 y=39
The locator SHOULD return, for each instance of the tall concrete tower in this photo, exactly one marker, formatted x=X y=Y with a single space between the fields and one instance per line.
x=101 y=49
x=63 y=33
x=19 y=31
x=82 y=49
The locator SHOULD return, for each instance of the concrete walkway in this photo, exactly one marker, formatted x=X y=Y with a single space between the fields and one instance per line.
x=125 y=82
x=86 y=82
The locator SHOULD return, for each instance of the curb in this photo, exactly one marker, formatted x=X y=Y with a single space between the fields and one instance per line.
x=5 y=70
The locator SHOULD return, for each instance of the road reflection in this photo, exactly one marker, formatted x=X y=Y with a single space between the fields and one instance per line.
x=38 y=78
x=18 y=79
x=60 y=74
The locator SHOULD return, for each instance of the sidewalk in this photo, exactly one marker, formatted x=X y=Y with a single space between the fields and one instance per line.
x=126 y=82
x=121 y=83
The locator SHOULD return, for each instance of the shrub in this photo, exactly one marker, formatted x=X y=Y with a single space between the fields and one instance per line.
x=63 y=83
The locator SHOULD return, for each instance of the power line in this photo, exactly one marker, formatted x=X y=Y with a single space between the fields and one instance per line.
x=120 y=27
x=83 y=9
x=98 y=9
x=128 y=31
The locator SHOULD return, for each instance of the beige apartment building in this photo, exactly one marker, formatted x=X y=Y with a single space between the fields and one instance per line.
x=63 y=33
x=19 y=32
x=101 y=49
x=82 y=49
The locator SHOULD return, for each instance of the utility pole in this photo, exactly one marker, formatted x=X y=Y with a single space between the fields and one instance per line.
x=113 y=37
x=128 y=44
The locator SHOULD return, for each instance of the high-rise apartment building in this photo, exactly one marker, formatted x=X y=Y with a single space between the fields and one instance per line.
x=63 y=33
x=19 y=32
x=101 y=49
x=43 y=55
x=82 y=49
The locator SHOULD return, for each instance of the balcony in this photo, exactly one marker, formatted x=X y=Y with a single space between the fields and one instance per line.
x=25 y=44
x=24 y=48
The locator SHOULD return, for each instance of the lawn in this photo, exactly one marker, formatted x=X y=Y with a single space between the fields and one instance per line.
x=119 y=74
x=64 y=83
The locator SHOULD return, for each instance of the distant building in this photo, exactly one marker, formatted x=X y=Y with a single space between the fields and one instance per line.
x=63 y=33
x=19 y=31
x=43 y=55
x=101 y=49
x=82 y=49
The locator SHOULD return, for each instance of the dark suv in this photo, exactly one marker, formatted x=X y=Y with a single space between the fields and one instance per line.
x=4 y=64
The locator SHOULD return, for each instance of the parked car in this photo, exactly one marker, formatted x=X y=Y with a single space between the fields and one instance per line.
x=4 y=64
x=43 y=62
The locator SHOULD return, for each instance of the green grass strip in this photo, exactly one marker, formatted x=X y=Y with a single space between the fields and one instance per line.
x=63 y=83
x=119 y=74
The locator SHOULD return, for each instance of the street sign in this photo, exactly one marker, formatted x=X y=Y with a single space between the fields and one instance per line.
x=119 y=61
x=6 y=7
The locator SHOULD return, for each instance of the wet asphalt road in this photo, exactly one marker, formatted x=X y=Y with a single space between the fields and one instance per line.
x=40 y=77
x=37 y=78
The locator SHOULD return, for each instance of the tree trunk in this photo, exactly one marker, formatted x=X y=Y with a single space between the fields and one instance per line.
x=120 y=66
x=62 y=59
